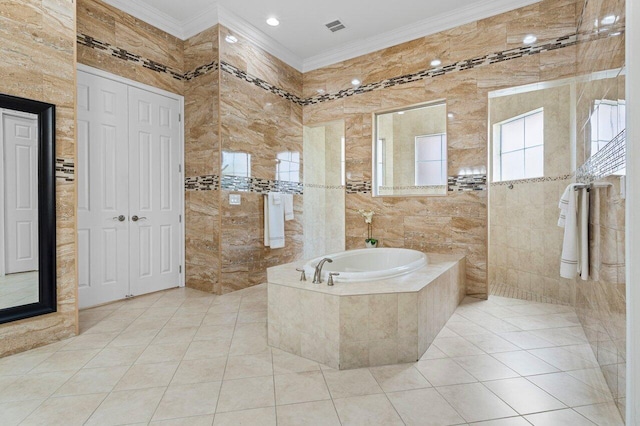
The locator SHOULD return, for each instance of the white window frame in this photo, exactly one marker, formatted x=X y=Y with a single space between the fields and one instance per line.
x=442 y=160
x=497 y=144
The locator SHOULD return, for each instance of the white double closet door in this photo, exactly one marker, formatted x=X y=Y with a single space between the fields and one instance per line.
x=130 y=192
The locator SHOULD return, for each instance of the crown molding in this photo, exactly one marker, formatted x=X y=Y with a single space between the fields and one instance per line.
x=259 y=38
x=203 y=20
x=150 y=15
x=413 y=31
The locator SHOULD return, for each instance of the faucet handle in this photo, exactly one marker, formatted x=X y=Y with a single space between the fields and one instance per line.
x=303 y=276
x=331 y=275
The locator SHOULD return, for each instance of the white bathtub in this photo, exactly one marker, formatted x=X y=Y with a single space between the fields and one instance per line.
x=369 y=264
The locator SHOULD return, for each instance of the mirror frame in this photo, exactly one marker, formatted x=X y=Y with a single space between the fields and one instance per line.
x=374 y=118
x=46 y=209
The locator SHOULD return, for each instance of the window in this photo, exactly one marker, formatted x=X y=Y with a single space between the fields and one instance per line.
x=431 y=160
x=236 y=164
x=380 y=154
x=607 y=121
x=519 y=147
x=288 y=166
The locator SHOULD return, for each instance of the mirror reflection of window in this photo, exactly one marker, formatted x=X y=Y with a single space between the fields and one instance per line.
x=288 y=166
x=236 y=164
x=431 y=160
x=607 y=121
x=520 y=147
x=380 y=156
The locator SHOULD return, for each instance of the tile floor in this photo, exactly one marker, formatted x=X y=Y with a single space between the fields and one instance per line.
x=183 y=357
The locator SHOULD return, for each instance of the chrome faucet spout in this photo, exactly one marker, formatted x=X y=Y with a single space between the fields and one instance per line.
x=317 y=275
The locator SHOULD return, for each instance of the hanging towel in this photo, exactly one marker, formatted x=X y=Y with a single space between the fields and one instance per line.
x=569 y=219
x=273 y=221
x=288 y=206
x=583 y=233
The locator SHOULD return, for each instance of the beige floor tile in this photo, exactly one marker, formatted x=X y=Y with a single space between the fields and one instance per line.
x=184 y=319
x=317 y=413
x=34 y=386
x=523 y=396
x=562 y=336
x=223 y=318
x=433 y=353
x=90 y=341
x=188 y=400
x=286 y=363
x=347 y=383
x=466 y=328
x=147 y=376
x=21 y=363
x=602 y=414
x=509 y=421
x=558 y=418
x=15 y=412
x=199 y=371
x=256 y=417
x=127 y=407
x=490 y=343
x=368 y=410
x=474 y=402
x=245 y=317
x=244 y=394
x=66 y=410
x=215 y=332
x=568 y=390
x=158 y=353
x=526 y=340
x=424 y=407
x=393 y=378
x=524 y=363
x=185 y=421
x=485 y=367
x=592 y=377
x=457 y=346
x=207 y=349
x=92 y=380
x=115 y=356
x=168 y=336
x=61 y=361
x=134 y=338
x=563 y=360
x=300 y=387
x=444 y=372
x=244 y=366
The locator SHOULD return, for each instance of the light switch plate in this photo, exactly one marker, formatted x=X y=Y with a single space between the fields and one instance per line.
x=235 y=199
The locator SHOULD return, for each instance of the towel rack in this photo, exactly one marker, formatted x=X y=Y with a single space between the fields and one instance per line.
x=589 y=186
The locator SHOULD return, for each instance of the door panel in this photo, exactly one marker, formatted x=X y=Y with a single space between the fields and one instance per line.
x=155 y=185
x=21 y=193
x=103 y=195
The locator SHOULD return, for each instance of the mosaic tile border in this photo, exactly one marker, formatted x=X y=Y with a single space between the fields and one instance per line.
x=320 y=186
x=532 y=180
x=610 y=159
x=241 y=184
x=358 y=186
x=467 y=64
x=464 y=183
x=65 y=169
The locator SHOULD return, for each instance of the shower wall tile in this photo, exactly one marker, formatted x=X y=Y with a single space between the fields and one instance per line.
x=38 y=45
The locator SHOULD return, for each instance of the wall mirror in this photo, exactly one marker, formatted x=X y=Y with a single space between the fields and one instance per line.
x=27 y=213
x=410 y=151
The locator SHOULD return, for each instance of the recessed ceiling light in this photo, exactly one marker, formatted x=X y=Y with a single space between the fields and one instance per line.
x=609 y=20
x=355 y=82
x=530 y=39
x=400 y=112
x=436 y=62
x=231 y=39
x=273 y=21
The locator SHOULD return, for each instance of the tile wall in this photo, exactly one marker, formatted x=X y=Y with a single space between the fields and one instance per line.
x=400 y=76
x=38 y=48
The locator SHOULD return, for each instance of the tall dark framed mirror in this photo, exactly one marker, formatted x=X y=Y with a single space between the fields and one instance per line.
x=27 y=209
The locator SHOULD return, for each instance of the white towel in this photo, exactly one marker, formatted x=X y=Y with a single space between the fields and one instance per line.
x=583 y=235
x=569 y=219
x=273 y=221
x=288 y=206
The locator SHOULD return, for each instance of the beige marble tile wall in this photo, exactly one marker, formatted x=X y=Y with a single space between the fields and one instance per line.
x=202 y=158
x=601 y=301
x=262 y=124
x=456 y=223
x=109 y=25
x=525 y=241
x=38 y=48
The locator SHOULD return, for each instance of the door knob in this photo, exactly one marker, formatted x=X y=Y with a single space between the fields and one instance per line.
x=136 y=218
x=120 y=218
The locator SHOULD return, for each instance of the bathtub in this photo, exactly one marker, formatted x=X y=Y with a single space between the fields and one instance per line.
x=369 y=264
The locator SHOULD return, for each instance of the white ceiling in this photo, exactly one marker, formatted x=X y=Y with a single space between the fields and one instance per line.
x=302 y=40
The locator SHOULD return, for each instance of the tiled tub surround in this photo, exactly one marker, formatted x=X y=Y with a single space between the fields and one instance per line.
x=354 y=325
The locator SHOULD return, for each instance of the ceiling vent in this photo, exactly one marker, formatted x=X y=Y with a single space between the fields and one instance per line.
x=335 y=26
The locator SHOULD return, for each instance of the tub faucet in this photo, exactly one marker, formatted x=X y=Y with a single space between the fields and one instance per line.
x=317 y=275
